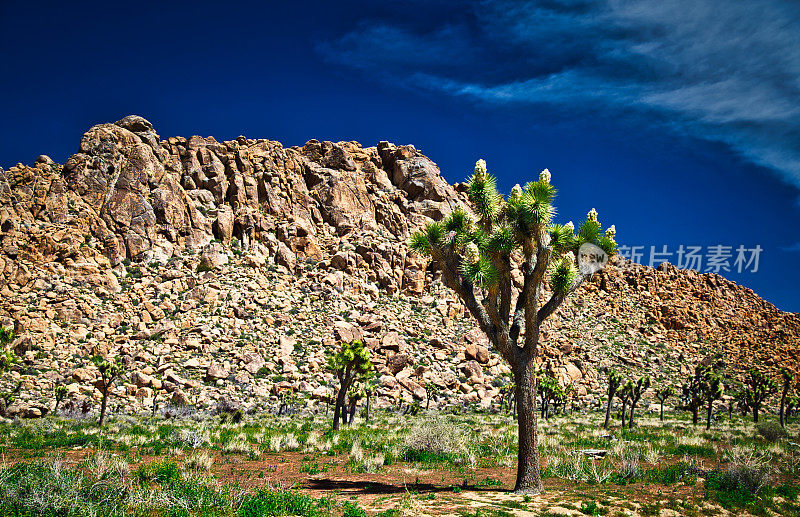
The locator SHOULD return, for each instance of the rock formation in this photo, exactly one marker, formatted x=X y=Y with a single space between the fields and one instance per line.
x=227 y=269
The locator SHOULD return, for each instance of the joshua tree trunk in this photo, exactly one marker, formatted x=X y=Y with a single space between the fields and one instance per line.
x=528 y=476
x=103 y=405
x=353 y=405
x=695 y=411
x=630 y=417
x=755 y=412
x=340 y=406
x=708 y=414
x=366 y=408
x=608 y=409
x=661 y=410
x=783 y=403
x=624 y=411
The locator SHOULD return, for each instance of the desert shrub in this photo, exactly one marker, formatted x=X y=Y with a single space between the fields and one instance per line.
x=49 y=489
x=630 y=468
x=771 y=431
x=435 y=441
x=199 y=462
x=199 y=495
x=748 y=472
x=193 y=439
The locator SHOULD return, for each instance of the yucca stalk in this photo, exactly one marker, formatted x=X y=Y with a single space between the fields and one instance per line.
x=478 y=255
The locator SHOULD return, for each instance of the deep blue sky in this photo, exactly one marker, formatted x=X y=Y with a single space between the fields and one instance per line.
x=679 y=121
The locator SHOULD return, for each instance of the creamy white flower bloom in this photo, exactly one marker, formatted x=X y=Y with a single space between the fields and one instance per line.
x=471 y=253
x=592 y=215
x=611 y=231
x=480 y=169
x=516 y=194
x=570 y=227
x=544 y=176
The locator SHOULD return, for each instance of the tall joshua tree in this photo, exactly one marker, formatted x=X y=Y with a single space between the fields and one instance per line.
x=787 y=377
x=758 y=386
x=712 y=388
x=637 y=390
x=663 y=394
x=349 y=364
x=109 y=372
x=477 y=258
x=614 y=381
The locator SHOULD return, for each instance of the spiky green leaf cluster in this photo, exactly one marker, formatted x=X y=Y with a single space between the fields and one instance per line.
x=563 y=276
x=482 y=193
x=562 y=239
x=501 y=240
x=481 y=273
x=6 y=336
x=354 y=355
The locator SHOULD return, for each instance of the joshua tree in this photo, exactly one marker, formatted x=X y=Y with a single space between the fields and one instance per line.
x=758 y=387
x=370 y=385
x=787 y=381
x=7 y=361
x=59 y=392
x=692 y=396
x=477 y=259
x=624 y=394
x=550 y=392
x=431 y=390
x=507 y=392
x=355 y=394
x=109 y=372
x=712 y=388
x=663 y=394
x=614 y=381
x=349 y=363
x=637 y=390
x=791 y=405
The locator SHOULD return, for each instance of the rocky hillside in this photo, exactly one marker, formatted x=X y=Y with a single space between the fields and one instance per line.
x=226 y=271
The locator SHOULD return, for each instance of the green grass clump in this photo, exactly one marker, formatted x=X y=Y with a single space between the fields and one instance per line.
x=164 y=472
x=277 y=502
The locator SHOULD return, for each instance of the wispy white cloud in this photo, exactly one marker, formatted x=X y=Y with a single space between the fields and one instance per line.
x=721 y=70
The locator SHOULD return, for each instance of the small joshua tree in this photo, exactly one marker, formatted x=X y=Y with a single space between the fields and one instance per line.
x=431 y=391
x=692 y=396
x=787 y=377
x=7 y=361
x=614 y=382
x=758 y=386
x=370 y=386
x=663 y=394
x=624 y=394
x=351 y=362
x=110 y=371
x=59 y=392
x=550 y=392
x=477 y=258
x=637 y=390
x=712 y=388
x=508 y=401
x=791 y=404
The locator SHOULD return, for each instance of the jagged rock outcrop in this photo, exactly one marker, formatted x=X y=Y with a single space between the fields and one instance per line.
x=227 y=269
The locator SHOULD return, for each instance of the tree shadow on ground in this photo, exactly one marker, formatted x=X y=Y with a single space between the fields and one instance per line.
x=377 y=488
